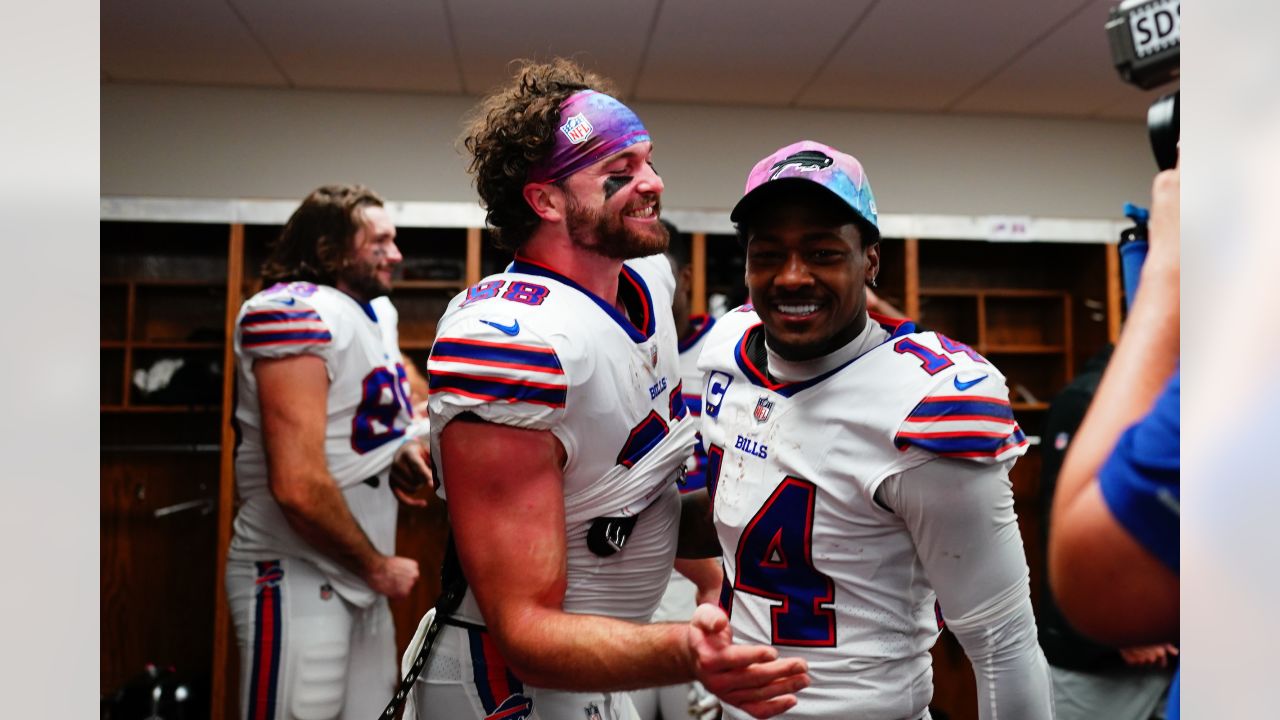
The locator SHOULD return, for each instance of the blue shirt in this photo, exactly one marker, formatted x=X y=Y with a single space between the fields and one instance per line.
x=1140 y=483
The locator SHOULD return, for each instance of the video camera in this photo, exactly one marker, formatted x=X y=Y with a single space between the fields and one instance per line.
x=1145 y=40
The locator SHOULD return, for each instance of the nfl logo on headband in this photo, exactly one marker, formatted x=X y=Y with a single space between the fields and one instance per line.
x=577 y=128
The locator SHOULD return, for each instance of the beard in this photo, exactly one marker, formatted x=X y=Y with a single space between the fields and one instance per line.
x=609 y=235
x=362 y=280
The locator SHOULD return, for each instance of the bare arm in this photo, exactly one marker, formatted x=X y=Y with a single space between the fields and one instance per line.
x=697 y=529
x=706 y=574
x=517 y=571
x=292 y=395
x=1108 y=585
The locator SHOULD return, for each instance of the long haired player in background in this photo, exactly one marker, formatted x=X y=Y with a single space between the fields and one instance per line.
x=322 y=410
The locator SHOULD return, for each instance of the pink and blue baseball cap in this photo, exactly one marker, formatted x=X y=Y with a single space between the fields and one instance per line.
x=808 y=161
x=592 y=127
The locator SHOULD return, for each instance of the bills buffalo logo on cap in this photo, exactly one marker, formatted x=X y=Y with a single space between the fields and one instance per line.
x=804 y=161
x=577 y=129
x=763 y=406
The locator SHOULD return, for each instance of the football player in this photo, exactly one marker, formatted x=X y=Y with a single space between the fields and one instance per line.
x=560 y=430
x=858 y=470
x=322 y=409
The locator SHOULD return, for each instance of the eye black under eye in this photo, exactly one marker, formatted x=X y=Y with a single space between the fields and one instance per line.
x=614 y=183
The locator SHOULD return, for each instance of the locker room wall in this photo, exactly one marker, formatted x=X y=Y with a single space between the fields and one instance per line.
x=208 y=142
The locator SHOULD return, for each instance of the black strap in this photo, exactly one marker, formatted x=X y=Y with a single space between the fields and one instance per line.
x=453 y=587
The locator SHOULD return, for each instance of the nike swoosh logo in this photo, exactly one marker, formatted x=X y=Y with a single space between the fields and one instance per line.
x=962 y=386
x=513 y=329
x=288 y=301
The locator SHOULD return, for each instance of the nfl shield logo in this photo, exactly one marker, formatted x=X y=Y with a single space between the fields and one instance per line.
x=653 y=355
x=593 y=711
x=763 y=406
x=577 y=128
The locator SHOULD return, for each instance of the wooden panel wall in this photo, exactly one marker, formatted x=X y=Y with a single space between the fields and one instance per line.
x=157 y=582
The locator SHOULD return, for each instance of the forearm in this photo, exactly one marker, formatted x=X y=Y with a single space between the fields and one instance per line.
x=317 y=511
x=697 y=529
x=983 y=591
x=1013 y=679
x=705 y=573
x=1145 y=358
x=557 y=650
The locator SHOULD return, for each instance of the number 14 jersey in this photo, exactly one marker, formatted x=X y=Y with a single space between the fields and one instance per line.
x=814 y=564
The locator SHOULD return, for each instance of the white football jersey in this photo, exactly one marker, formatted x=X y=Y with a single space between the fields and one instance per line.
x=813 y=564
x=369 y=416
x=532 y=349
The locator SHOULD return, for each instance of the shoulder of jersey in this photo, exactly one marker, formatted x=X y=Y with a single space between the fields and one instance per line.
x=500 y=354
x=724 y=336
x=385 y=308
x=733 y=323
x=285 y=317
x=964 y=411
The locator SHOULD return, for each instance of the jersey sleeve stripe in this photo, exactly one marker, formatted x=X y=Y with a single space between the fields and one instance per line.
x=963 y=444
x=956 y=434
x=948 y=408
x=926 y=420
x=541 y=358
x=285 y=338
x=499 y=389
x=260 y=317
x=441 y=358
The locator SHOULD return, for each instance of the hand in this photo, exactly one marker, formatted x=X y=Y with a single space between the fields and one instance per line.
x=1149 y=655
x=393 y=576
x=1164 y=230
x=750 y=677
x=411 y=471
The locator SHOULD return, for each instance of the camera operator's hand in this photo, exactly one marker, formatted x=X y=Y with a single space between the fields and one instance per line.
x=1164 y=230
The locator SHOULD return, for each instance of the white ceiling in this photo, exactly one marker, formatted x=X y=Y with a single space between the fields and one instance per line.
x=1022 y=57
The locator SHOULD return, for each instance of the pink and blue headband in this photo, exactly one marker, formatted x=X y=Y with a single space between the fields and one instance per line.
x=593 y=126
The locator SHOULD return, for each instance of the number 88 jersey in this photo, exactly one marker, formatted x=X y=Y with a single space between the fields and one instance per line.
x=813 y=563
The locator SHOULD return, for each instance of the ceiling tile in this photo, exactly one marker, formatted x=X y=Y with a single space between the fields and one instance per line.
x=183 y=42
x=921 y=54
x=396 y=45
x=1131 y=103
x=608 y=38
x=1045 y=58
x=1068 y=74
x=758 y=52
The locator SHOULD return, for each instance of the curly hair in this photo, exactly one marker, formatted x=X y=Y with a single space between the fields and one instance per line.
x=512 y=129
x=317 y=240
